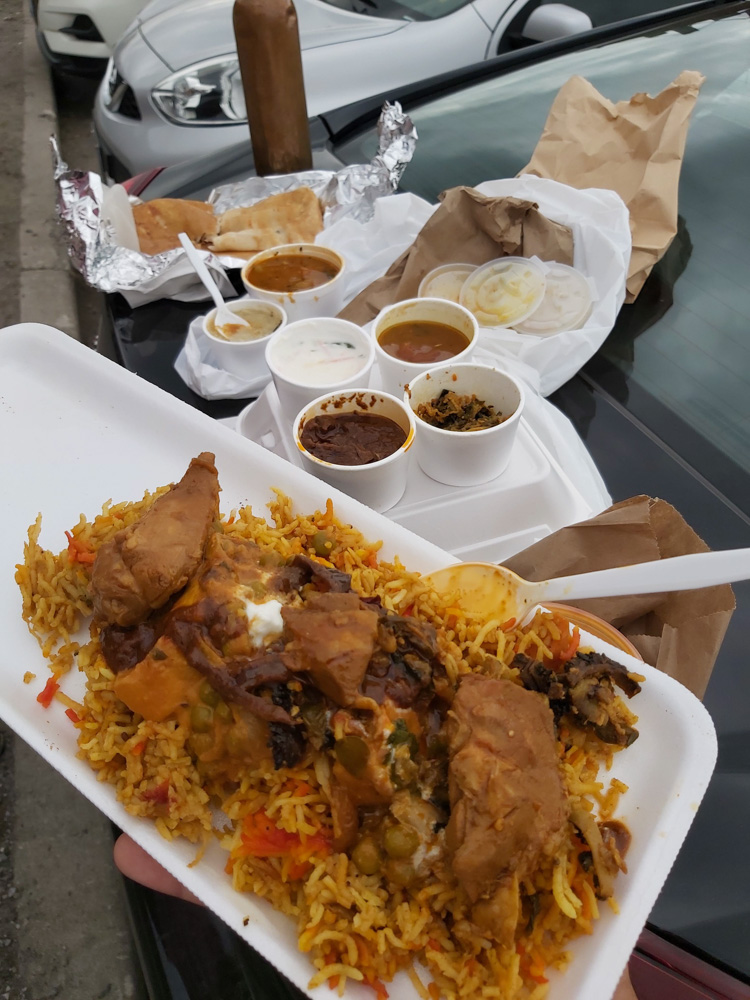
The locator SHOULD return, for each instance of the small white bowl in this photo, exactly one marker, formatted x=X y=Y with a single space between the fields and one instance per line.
x=323 y=300
x=504 y=291
x=395 y=373
x=466 y=458
x=380 y=484
x=243 y=357
x=300 y=360
x=445 y=282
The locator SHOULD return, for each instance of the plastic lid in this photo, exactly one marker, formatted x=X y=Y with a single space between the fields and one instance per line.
x=445 y=282
x=505 y=291
x=565 y=306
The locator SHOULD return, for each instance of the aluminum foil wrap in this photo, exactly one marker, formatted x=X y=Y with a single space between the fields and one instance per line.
x=89 y=211
x=350 y=191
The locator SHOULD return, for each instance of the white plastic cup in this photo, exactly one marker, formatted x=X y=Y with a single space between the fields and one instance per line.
x=466 y=458
x=380 y=484
x=245 y=358
x=297 y=388
x=323 y=300
x=396 y=374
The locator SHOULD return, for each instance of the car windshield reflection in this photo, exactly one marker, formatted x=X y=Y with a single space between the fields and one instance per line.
x=690 y=352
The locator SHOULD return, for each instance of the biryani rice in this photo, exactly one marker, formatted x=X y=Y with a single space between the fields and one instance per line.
x=352 y=927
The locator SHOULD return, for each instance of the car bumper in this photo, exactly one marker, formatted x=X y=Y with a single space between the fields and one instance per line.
x=128 y=146
x=82 y=61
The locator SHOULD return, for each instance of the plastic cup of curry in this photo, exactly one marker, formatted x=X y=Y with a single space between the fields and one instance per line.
x=359 y=443
x=241 y=349
x=303 y=278
x=417 y=334
x=467 y=418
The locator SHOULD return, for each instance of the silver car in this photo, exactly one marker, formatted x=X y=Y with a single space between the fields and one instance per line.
x=173 y=90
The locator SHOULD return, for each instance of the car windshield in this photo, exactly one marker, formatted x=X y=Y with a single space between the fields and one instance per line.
x=405 y=10
x=691 y=351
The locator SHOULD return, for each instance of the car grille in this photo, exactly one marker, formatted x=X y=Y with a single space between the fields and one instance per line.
x=128 y=105
x=120 y=97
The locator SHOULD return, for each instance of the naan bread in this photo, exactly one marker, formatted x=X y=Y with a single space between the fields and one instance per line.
x=289 y=217
x=159 y=222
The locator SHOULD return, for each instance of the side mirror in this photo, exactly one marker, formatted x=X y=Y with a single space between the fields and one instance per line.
x=555 y=20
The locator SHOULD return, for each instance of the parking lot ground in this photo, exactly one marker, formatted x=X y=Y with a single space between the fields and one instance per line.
x=64 y=930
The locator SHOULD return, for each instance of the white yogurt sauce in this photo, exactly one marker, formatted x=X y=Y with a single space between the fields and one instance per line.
x=264 y=620
x=318 y=355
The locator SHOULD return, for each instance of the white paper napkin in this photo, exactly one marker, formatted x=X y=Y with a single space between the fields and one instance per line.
x=199 y=369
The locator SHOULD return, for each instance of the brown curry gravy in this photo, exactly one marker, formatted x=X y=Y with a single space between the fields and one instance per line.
x=291 y=272
x=354 y=438
x=422 y=341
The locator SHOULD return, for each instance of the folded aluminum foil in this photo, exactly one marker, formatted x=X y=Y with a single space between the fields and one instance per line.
x=94 y=250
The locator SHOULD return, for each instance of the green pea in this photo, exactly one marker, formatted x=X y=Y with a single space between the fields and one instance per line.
x=401 y=871
x=366 y=856
x=208 y=694
x=223 y=710
x=322 y=543
x=258 y=588
x=201 y=718
x=400 y=841
x=352 y=753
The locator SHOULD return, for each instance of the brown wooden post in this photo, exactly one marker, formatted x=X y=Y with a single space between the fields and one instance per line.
x=270 y=59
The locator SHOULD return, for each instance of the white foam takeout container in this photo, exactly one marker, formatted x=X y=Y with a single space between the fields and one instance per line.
x=103 y=432
x=532 y=497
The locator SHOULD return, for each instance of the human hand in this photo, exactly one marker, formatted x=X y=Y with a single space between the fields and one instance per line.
x=139 y=866
x=625 y=989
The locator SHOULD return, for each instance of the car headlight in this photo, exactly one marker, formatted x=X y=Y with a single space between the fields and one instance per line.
x=207 y=93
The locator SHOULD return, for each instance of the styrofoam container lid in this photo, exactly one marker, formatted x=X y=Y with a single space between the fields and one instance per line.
x=445 y=282
x=565 y=306
x=504 y=291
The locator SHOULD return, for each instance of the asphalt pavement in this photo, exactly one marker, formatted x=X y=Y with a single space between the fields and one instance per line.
x=64 y=930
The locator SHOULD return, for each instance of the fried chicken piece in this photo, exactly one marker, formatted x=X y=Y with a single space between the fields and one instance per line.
x=508 y=804
x=140 y=568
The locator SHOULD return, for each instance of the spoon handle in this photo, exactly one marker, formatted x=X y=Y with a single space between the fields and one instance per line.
x=701 y=569
x=201 y=270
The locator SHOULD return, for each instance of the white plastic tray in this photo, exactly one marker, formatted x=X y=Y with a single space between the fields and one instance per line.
x=76 y=429
x=531 y=499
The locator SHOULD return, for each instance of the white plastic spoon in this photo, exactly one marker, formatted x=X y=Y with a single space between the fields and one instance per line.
x=494 y=591
x=224 y=316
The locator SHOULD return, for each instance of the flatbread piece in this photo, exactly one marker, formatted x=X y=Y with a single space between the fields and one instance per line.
x=288 y=217
x=159 y=223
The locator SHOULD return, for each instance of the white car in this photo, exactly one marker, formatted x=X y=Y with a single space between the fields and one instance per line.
x=78 y=36
x=173 y=89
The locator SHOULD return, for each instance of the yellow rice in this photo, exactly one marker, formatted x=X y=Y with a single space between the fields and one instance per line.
x=351 y=926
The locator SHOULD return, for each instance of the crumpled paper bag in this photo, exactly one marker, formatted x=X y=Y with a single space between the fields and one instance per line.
x=467 y=227
x=634 y=147
x=679 y=633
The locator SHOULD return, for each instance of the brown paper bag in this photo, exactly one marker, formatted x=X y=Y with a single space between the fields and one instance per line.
x=469 y=228
x=633 y=147
x=679 y=633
